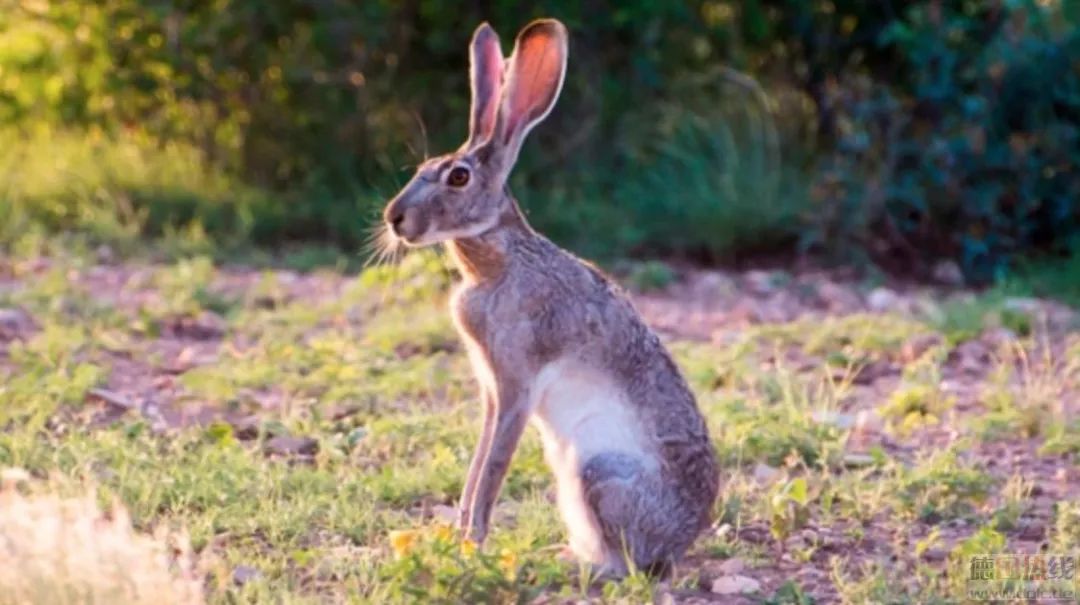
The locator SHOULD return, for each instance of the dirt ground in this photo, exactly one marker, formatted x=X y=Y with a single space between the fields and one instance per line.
x=882 y=551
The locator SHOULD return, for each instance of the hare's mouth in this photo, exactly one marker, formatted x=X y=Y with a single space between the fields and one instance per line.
x=409 y=226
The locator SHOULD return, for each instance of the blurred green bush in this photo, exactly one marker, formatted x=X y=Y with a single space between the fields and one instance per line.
x=911 y=130
x=973 y=151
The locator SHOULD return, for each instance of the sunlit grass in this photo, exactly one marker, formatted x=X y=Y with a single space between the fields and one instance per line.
x=374 y=377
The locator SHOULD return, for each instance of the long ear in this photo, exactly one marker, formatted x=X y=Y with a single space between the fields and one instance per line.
x=485 y=75
x=534 y=78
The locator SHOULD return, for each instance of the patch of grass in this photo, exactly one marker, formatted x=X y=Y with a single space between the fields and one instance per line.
x=1066 y=531
x=850 y=340
x=941 y=487
x=370 y=372
x=1015 y=494
x=65 y=549
x=128 y=194
x=1026 y=393
x=966 y=317
x=650 y=275
x=768 y=416
x=918 y=401
x=876 y=582
x=115 y=191
x=1056 y=278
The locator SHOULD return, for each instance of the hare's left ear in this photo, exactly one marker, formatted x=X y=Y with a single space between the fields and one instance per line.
x=485 y=75
x=533 y=80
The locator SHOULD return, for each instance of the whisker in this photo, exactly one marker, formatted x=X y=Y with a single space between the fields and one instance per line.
x=380 y=246
x=423 y=132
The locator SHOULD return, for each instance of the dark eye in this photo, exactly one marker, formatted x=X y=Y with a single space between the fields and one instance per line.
x=458 y=177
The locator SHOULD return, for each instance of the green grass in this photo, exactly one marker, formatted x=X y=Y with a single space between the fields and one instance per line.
x=374 y=374
x=711 y=191
x=119 y=191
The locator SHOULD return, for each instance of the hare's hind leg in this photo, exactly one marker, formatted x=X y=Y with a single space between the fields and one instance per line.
x=640 y=519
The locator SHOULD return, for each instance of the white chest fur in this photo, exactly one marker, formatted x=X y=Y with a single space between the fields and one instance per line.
x=580 y=412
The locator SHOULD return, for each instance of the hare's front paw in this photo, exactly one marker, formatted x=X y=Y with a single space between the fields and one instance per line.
x=477 y=533
x=471 y=529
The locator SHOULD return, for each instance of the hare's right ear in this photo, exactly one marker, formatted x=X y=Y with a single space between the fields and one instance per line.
x=531 y=85
x=485 y=75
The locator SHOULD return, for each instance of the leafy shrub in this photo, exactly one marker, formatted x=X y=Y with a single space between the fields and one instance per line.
x=931 y=128
x=977 y=154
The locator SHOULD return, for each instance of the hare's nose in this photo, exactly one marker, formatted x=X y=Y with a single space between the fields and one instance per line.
x=396 y=219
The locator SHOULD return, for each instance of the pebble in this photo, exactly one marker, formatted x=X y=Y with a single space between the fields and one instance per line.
x=882 y=299
x=729 y=585
x=286 y=445
x=242 y=574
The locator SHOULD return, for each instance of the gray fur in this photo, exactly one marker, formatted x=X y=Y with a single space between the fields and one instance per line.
x=523 y=304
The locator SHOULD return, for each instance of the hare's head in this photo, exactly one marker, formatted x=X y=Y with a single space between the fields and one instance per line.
x=461 y=194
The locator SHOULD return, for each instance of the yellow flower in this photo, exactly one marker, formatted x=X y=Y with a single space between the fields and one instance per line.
x=508 y=563
x=468 y=547
x=403 y=541
x=444 y=533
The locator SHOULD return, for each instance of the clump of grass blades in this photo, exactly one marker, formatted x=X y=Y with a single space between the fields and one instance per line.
x=63 y=550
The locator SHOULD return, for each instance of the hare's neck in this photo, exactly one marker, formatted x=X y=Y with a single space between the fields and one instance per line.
x=486 y=256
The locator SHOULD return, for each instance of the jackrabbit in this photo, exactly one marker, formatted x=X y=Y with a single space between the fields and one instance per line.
x=552 y=340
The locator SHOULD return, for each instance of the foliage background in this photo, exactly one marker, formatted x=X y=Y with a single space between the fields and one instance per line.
x=896 y=132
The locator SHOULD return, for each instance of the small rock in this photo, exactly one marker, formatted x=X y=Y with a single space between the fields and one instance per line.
x=729 y=585
x=872 y=371
x=1027 y=306
x=187 y=359
x=1033 y=532
x=342 y=412
x=1058 y=314
x=105 y=254
x=760 y=282
x=246 y=428
x=882 y=299
x=927 y=306
x=935 y=554
x=947 y=272
x=858 y=460
x=999 y=337
x=11 y=317
x=869 y=421
x=764 y=473
x=715 y=285
x=838 y=298
x=732 y=567
x=809 y=537
x=207 y=325
x=971 y=356
x=242 y=574
x=287 y=445
x=754 y=534
x=445 y=513
x=13 y=322
x=838 y=419
x=210 y=324
x=112 y=398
